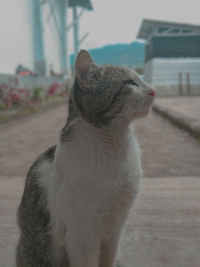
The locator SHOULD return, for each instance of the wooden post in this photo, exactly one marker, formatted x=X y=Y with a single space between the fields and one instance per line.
x=188 y=84
x=180 y=83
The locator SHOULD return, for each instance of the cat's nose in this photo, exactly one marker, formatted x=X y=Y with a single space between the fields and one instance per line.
x=152 y=92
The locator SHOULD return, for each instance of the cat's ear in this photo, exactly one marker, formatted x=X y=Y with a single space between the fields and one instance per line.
x=83 y=65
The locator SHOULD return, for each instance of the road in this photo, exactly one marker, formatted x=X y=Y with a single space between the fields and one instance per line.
x=166 y=150
x=164 y=227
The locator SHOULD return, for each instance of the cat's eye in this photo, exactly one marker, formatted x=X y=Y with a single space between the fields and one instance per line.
x=131 y=82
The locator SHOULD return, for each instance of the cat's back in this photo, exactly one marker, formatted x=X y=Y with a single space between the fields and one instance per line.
x=33 y=215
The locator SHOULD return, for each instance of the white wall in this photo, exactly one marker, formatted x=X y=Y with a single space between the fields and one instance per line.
x=163 y=73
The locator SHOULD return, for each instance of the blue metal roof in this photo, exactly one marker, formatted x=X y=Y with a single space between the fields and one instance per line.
x=81 y=3
x=148 y=25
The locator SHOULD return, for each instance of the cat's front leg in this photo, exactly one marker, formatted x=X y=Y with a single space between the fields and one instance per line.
x=108 y=252
x=82 y=252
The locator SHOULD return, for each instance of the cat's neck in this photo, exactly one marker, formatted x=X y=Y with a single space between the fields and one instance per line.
x=110 y=137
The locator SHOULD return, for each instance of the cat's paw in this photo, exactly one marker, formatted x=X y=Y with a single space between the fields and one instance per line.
x=118 y=264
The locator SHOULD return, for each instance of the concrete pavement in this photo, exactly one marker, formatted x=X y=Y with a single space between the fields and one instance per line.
x=162 y=230
x=164 y=227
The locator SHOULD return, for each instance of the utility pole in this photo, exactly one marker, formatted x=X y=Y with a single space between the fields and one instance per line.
x=76 y=30
x=58 y=11
x=38 y=42
x=64 y=58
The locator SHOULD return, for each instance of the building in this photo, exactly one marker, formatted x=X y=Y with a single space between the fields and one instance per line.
x=172 y=57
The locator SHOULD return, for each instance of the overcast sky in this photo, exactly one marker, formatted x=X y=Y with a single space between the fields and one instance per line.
x=111 y=21
x=115 y=21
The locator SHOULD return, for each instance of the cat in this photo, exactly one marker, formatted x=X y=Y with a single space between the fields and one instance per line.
x=78 y=193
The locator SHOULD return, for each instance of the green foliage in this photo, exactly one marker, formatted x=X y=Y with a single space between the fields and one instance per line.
x=2 y=106
x=139 y=70
x=38 y=93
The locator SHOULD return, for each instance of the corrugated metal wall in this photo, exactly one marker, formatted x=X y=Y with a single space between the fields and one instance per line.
x=173 y=47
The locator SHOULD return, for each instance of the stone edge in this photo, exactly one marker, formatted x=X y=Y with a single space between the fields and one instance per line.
x=191 y=126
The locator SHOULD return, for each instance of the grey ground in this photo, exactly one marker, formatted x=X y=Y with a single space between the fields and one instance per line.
x=163 y=229
x=182 y=111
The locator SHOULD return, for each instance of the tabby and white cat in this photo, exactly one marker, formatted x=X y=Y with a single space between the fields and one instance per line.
x=77 y=194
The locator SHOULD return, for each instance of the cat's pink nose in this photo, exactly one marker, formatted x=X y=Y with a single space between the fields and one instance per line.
x=152 y=92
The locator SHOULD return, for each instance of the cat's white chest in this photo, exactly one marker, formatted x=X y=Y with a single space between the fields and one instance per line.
x=89 y=180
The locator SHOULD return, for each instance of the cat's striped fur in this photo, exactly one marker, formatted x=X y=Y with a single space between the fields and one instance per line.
x=78 y=193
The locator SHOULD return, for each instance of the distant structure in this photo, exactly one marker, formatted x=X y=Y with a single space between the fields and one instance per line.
x=58 y=11
x=172 y=56
x=23 y=71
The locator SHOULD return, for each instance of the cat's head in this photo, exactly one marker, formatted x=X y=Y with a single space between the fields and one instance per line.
x=107 y=94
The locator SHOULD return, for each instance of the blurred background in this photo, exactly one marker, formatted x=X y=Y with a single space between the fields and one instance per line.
x=160 y=40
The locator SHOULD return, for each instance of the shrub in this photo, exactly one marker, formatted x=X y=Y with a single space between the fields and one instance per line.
x=38 y=94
